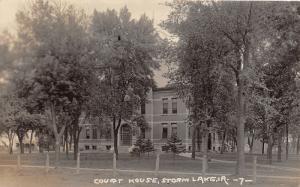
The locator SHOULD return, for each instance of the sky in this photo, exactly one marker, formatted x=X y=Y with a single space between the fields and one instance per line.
x=152 y=8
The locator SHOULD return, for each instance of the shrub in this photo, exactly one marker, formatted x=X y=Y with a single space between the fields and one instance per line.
x=142 y=146
x=175 y=145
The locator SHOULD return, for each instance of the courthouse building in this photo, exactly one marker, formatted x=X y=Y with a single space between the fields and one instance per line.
x=165 y=115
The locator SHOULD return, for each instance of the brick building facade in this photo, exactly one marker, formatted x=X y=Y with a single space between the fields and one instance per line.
x=165 y=114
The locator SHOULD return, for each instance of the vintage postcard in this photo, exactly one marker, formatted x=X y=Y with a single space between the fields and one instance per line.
x=149 y=93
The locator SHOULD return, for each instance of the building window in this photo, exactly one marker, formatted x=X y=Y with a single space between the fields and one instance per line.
x=174 y=105
x=94 y=147
x=95 y=133
x=165 y=105
x=87 y=132
x=164 y=131
x=143 y=133
x=105 y=131
x=143 y=107
x=87 y=147
x=174 y=129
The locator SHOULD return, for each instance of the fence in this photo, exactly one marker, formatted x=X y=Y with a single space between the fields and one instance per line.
x=156 y=168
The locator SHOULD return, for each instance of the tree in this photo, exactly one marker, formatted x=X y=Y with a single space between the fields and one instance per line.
x=6 y=55
x=127 y=49
x=58 y=41
x=243 y=28
x=175 y=145
x=294 y=122
x=199 y=74
x=9 y=110
x=140 y=143
x=6 y=58
x=16 y=120
x=282 y=68
x=149 y=146
x=23 y=122
x=143 y=146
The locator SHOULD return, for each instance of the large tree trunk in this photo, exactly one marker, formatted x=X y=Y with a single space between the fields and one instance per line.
x=57 y=134
x=21 y=146
x=48 y=142
x=20 y=138
x=116 y=132
x=116 y=144
x=57 y=151
x=199 y=138
x=57 y=146
x=30 y=141
x=41 y=143
x=279 y=151
x=241 y=81
x=194 y=142
x=298 y=144
x=240 y=133
x=10 y=136
x=205 y=146
x=250 y=142
x=263 y=146
x=269 y=150
x=66 y=138
x=287 y=141
x=223 y=141
x=71 y=138
x=10 y=150
x=293 y=146
x=76 y=130
x=234 y=143
x=63 y=143
x=76 y=136
x=75 y=150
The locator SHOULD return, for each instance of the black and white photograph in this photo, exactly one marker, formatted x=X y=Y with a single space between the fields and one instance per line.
x=149 y=93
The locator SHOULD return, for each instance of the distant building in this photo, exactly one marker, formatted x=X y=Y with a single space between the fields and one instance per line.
x=165 y=114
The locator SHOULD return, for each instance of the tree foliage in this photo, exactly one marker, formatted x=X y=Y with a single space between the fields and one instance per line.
x=125 y=51
x=174 y=144
x=237 y=37
x=62 y=75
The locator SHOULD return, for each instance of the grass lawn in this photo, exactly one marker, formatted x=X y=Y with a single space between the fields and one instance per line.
x=293 y=160
x=29 y=177
x=145 y=163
